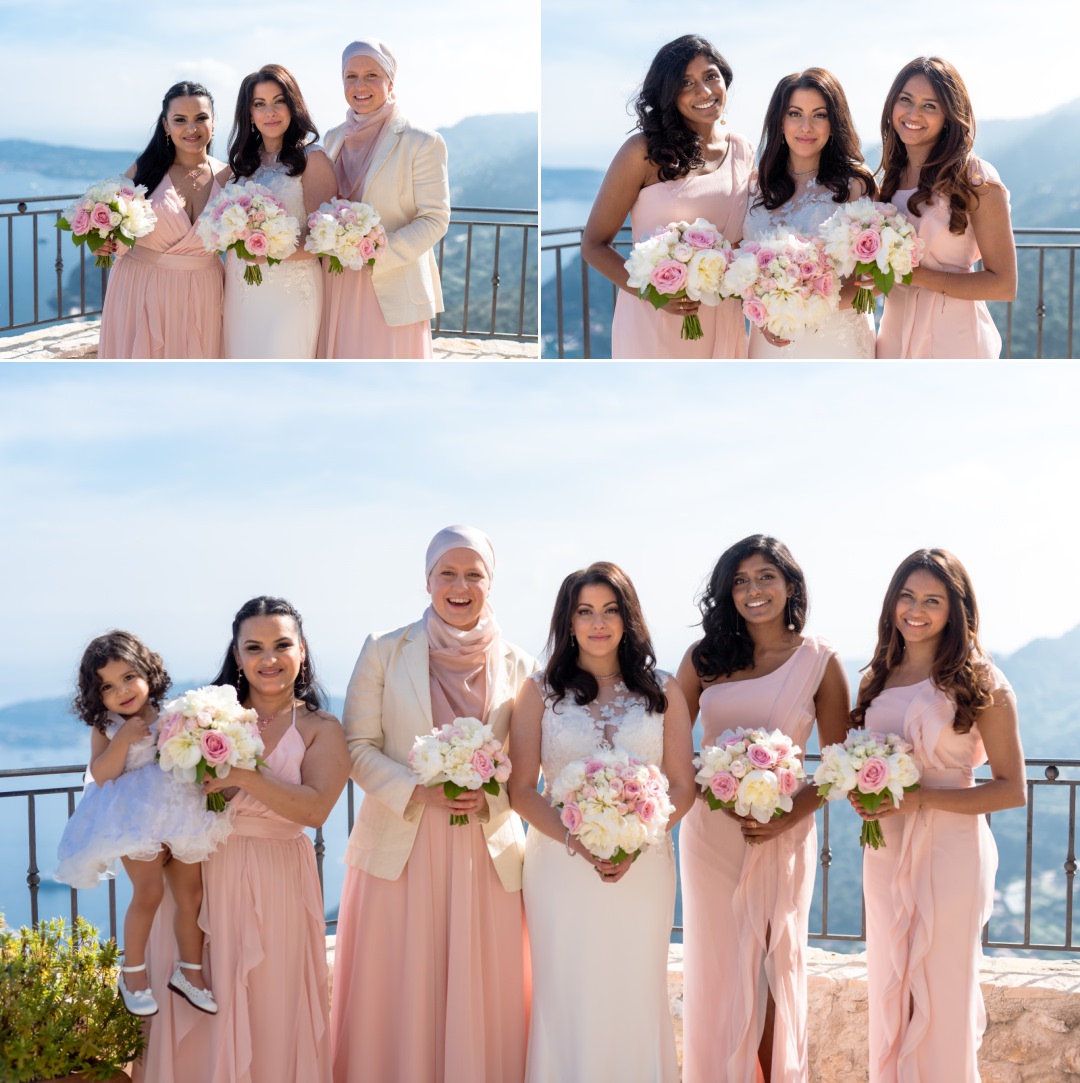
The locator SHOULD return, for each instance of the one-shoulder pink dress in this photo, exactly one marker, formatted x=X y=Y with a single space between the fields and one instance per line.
x=165 y=294
x=928 y=893
x=921 y=323
x=265 y=957
x=640 y=331
x=746 y=908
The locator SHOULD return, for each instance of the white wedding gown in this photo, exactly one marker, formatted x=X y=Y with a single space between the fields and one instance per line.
x=600 y=1006
x=280 y=317
x=845 y=334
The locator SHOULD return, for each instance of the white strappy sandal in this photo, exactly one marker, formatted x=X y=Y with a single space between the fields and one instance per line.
x=203 y=999
x=139 y=1002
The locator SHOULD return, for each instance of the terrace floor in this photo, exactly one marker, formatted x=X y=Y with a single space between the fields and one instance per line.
x=78 y=340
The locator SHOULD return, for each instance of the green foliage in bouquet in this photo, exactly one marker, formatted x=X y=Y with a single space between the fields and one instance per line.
x=59 y=1010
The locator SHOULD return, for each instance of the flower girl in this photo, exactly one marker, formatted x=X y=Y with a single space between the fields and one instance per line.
x=132 y=810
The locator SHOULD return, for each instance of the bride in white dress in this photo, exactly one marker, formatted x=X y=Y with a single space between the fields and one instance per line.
x=598 y=932
x=269 y=141
x=809 y=154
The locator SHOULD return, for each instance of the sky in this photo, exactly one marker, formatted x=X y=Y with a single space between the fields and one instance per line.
x=1017 y=59
x=75 y=75
x=160 y=497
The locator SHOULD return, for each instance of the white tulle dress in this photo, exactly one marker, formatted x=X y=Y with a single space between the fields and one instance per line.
x=135 y=815
x=280 y=317
x=845 y=334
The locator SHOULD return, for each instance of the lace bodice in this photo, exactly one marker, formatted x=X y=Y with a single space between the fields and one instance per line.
x=618 y=718
x=140 y=752
x=803 y=214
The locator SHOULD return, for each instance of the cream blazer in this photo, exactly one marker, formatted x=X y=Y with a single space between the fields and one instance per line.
x=407 y=184
x=387 y=706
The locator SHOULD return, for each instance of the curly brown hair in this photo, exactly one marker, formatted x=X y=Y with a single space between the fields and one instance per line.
x=671 y=143
x=636 y=657
x=947 y=173
x=961 y=668
x=116 y=646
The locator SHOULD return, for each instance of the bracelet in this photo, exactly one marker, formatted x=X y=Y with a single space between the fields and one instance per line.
x=944 y=288
x=569 y=849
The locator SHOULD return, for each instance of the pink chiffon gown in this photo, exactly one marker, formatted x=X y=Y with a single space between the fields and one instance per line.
x=353 y=325
x=746 y=908
x=640 y=331
x=928 y=893
x=921 y=323
x=265 y=957
x=165 y=295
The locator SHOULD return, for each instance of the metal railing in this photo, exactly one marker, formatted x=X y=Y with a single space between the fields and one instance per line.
x=487 y=262
x=1032 y=900
x=577 y=302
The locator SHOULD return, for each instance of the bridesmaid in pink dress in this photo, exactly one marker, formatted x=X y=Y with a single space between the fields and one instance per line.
x=930 y=889
x=682 y=165
x=961 y=211
x=747 y=886
x=164 y=295
x=262 y=906
x=430 y=972
x=385 y=311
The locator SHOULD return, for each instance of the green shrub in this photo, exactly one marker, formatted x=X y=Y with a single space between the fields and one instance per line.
x=59 y=1011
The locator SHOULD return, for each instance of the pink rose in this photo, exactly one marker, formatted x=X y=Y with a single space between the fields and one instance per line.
x=632 y=789
x=808 y=268
x=824 y=285
x=571 y=817
x=101 y=216
x=761 y=757
x=700 y=238
x=647 y=810
x=615 y=787
x=204 y=719
x=366 y=249
x=765 y=256
x=724 y=786
x=127 y=192
x=668 y=277
x=592 y=766
x=874 y=775
x=866 y=246
x=483 y=764
x=216 y=747
x=502 y=771
x=168 y=727
x=683 y=252
x=259 y=216
x=257 y=244
x=80 y=222
x=245 y=201
x=787 y=781
x=755 y=311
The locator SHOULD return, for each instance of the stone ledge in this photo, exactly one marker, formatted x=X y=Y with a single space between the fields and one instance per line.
x=78 y=340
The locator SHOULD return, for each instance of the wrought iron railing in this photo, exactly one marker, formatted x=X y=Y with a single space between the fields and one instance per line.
x=1034 y=899
x=577 y=302
x=487 y=262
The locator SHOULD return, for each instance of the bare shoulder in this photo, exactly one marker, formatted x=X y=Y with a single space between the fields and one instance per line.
x=312 y=724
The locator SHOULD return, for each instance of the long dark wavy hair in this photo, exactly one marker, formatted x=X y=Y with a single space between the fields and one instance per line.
x=160 y=153
x=116 y=646
x=671 y=143
x=245 y=140
x=841 y=157
x=961 y=668
x=637 y=659
x=726 y=646
x=947 y=174
x=306 y=687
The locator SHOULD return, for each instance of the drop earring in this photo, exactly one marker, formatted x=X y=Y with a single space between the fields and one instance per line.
x=790 y=623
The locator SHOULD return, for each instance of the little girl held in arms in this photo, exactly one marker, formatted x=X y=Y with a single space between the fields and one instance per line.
x=132 y=810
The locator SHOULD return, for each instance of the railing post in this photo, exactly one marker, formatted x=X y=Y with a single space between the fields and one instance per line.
x=586 y=337
x=524 y=280
x=495 y=279
x=33 y=879
x=558 y=303
x=1040 y=307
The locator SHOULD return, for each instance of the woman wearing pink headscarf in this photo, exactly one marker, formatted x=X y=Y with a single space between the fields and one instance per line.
x=430 y=974
x=400 y=170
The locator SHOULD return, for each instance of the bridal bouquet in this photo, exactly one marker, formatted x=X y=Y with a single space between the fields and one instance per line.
x=349 y=233
x=613 y=803
x=111 y=210
x=876 y=767
x=463 y=755
x=207 y=732
x=753 y=771
x=683 y=259
x=248 y=217
x=865 y=237
x=786 y=282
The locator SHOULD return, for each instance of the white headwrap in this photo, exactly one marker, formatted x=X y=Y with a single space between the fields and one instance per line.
x=377 y=49
x=460 y=537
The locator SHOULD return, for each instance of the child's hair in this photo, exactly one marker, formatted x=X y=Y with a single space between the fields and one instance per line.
x=122 y=647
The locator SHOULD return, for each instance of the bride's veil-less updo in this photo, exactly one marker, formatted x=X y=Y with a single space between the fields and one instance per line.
x=672 y=145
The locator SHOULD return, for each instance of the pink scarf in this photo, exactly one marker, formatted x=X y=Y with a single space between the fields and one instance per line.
x=462 y=666
x=363 y=131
